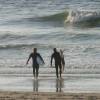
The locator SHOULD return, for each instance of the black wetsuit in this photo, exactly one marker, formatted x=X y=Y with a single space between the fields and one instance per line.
x=35 y=64
x=57 y=58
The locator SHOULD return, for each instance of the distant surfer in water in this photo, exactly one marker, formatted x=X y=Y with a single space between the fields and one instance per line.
x=36 y=61
x=56 y=56
x=62 y=60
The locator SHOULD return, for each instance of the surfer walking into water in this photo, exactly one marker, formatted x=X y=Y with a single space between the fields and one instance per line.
x=56 y=56
x=62 y=60
x=35 y=63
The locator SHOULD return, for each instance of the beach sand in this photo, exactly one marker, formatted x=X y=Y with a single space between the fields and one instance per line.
x=48 y=96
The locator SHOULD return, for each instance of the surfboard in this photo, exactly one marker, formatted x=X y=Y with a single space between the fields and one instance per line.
x=39 y=61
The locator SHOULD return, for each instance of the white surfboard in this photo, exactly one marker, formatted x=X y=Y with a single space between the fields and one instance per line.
x=39 y=61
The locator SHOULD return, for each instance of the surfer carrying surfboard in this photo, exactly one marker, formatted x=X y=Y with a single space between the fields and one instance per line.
x=56 y=56
x=36 y=61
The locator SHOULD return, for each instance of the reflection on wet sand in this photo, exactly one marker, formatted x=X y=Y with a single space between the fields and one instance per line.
x=42 y=84
x=59 y=85
x=35 y=85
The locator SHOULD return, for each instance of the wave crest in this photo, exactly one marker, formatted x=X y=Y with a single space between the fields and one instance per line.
x=83 y=17
x=56 y=17
x=73 y=17
x=15 y=46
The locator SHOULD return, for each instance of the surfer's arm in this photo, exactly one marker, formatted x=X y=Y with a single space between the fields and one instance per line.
x=28 y=59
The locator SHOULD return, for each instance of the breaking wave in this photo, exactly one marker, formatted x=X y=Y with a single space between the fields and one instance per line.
x=86 y=18
x=21 y=45
x=83 y=18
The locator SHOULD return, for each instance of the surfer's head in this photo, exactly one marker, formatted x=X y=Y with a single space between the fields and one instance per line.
x=54 y=49
x=34 y=50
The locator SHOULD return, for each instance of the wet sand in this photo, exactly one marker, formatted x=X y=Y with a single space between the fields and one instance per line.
x=49 y=88
x=48 y=96
x=68 y=84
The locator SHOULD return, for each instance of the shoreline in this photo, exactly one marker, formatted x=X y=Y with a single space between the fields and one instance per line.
x=7 y=95
x=51 y=84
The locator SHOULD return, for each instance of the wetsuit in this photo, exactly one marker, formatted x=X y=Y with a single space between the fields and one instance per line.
x=35 y=64
x=57 y=58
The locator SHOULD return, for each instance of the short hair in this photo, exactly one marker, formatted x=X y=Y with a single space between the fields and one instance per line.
x=34 y=49
x=54 y=49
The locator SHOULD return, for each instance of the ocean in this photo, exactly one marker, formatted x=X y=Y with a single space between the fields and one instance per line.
x=70 y=25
